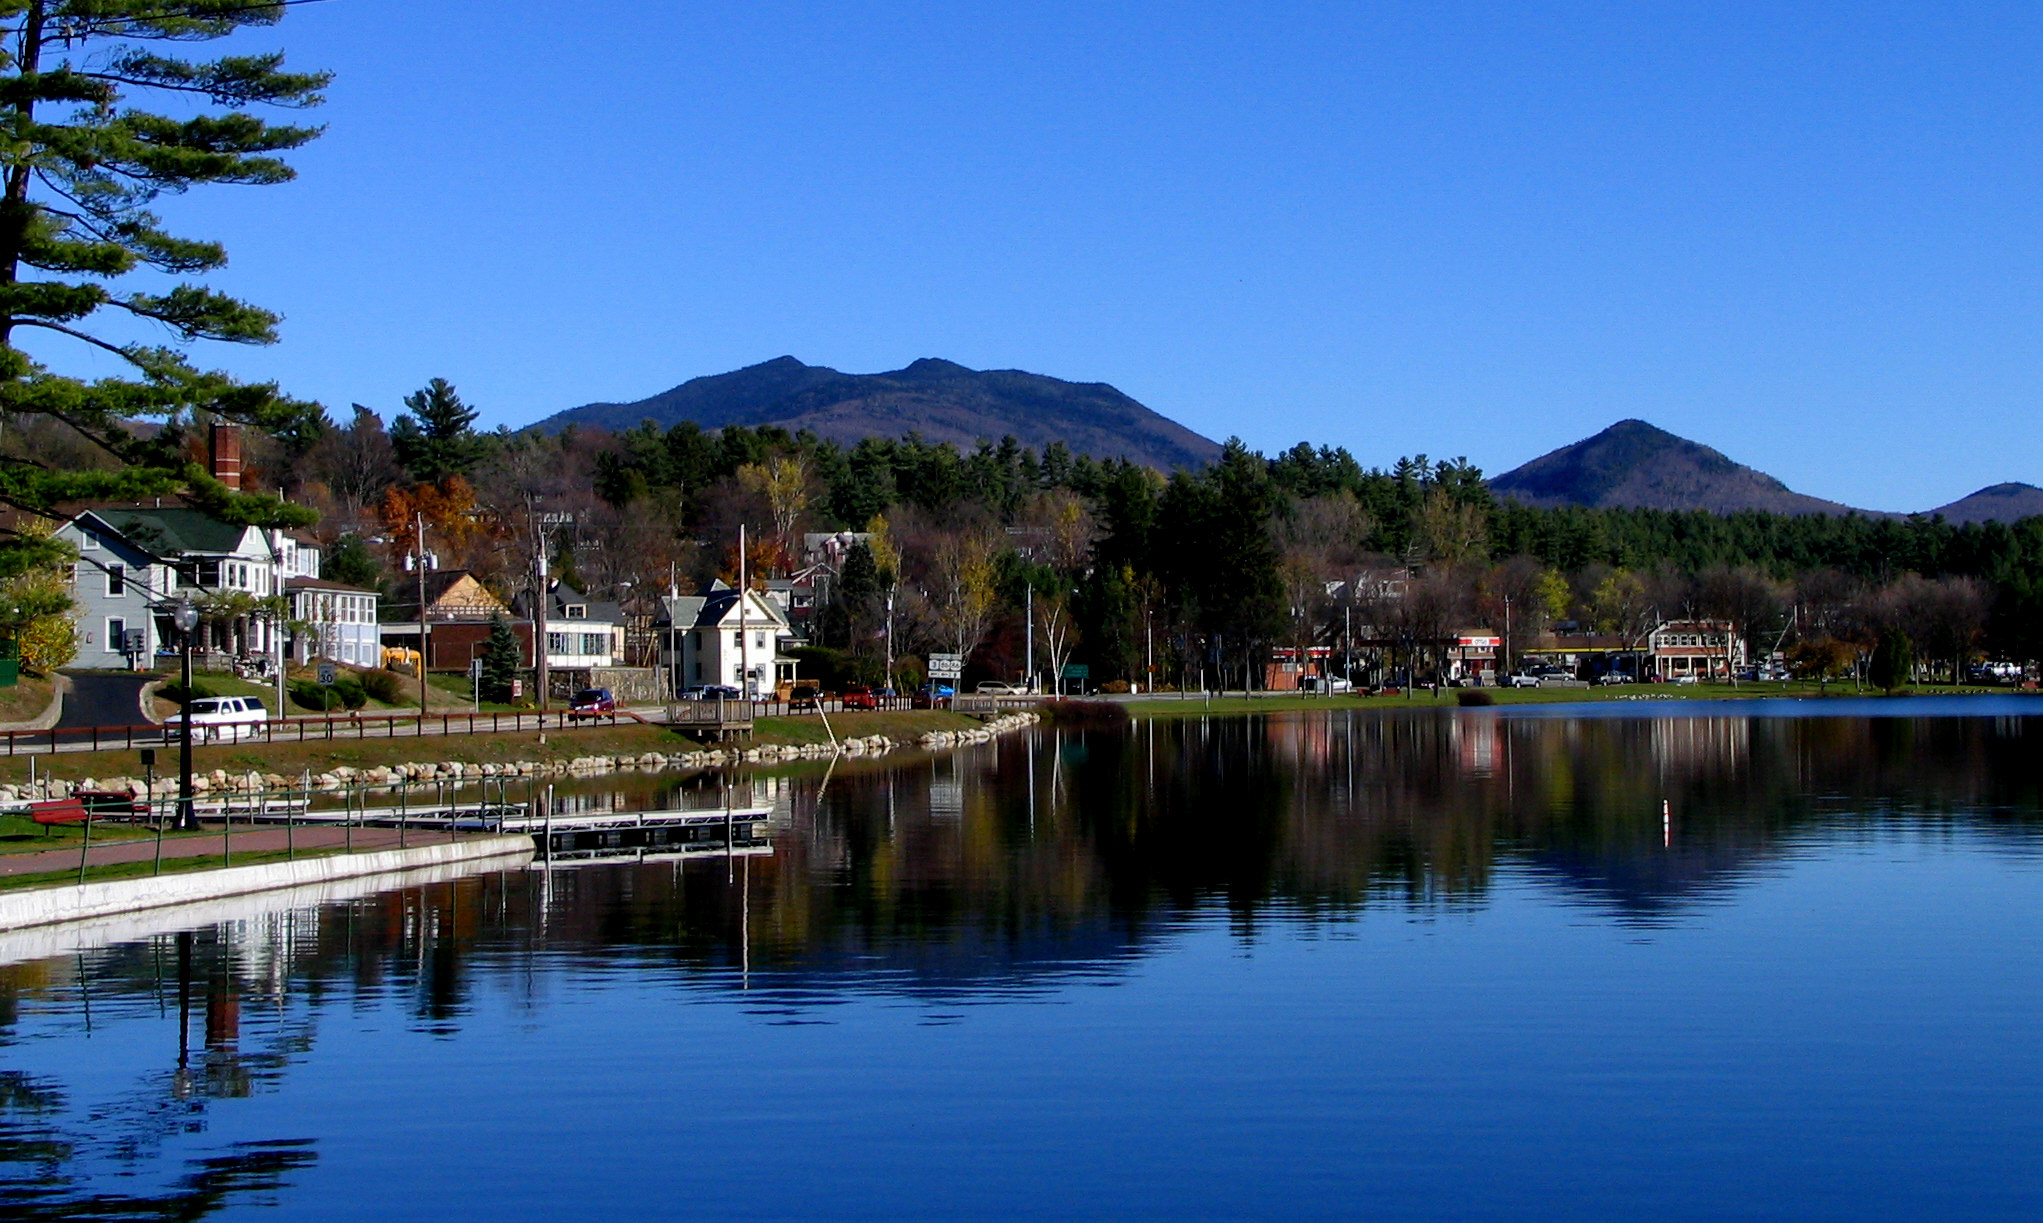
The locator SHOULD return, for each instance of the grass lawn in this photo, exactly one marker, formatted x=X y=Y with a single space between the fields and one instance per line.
x=453 y=692
x=902 y=726
x=26 y=700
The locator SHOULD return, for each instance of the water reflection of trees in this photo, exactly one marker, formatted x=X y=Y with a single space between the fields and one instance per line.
x=1001 y=868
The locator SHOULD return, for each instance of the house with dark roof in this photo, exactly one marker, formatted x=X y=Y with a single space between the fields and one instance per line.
x=135 y=561
x=227 y=570
x=717 y=639
x=580 y=632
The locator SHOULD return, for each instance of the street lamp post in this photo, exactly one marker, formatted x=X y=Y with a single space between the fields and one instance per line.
x=186 y=618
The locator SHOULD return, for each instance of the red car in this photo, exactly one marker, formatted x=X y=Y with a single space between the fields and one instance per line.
x=859 y=696
x=592 y=703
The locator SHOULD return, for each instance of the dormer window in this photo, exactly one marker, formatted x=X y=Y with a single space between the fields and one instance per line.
x=88 y=542
x=576 y=611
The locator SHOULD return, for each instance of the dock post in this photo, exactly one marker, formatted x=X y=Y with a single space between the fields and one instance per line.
x=403 y=815
x=549 y=821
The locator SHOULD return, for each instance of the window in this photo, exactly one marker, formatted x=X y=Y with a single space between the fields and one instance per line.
x=576 y=611
x=116 y=581
x=116 y=630
x=592 y=643
x=556 y=643
x=88 y=542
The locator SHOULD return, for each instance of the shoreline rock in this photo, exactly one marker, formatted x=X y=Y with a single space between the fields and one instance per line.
x=220 y=781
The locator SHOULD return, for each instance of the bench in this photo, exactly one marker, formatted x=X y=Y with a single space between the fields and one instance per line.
x=102 y=804
x=57 y=811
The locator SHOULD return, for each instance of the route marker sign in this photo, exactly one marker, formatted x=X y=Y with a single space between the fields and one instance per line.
x=946 y=666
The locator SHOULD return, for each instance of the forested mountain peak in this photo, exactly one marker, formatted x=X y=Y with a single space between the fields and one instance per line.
x=2010 y=502
x=1636 y=465
x=940 y=400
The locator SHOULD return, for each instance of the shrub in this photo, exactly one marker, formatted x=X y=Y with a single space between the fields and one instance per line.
x=1118 y=687
x=349 y=690
x=309 y=694
x=1474 y=696
x=385 y=686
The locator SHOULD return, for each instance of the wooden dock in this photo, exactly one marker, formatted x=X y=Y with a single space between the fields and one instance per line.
x=719 y=718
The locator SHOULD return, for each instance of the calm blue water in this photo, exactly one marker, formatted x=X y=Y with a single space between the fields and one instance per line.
x=1411 y=967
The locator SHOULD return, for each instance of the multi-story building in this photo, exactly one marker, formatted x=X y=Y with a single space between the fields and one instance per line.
x=714 y=639
x=1695 y=649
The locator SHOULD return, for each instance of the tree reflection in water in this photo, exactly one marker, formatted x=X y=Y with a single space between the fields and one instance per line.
x=1001 y=868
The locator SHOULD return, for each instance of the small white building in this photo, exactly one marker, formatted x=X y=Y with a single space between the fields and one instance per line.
x=581 y=633
x=701 y=642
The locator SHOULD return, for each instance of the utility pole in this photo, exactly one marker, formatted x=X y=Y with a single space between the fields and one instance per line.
x=419 y=547
x=1505 y=668
x=540 y=598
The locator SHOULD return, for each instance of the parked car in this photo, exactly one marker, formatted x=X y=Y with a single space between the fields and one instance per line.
x=803 y=697
x=933 y=696
x=1520 y=679
x=592 y=703
x=860 y=696
x=993 y=687
x=1614 y=677
x=222 y=718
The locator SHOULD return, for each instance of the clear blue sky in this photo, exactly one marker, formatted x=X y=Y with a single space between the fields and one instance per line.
x=1808 y=236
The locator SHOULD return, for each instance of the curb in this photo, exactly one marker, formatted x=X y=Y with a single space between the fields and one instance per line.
x=60 y=684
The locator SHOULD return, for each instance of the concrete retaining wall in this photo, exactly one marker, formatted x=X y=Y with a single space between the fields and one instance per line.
x=72 y=902
x=134 y=925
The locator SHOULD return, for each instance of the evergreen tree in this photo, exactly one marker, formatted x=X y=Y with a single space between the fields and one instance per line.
x=349 y=561
x=500 y=658
x=435 y=435
x=1893 y=659
x=83 y=163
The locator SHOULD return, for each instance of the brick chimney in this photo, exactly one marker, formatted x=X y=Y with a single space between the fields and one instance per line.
x=224 y=451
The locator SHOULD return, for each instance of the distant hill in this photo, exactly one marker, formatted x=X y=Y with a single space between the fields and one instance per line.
x=1995 y=503
x=941 y=400
x=1635 y=465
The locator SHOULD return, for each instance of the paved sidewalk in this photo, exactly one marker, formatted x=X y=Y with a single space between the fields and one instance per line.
x=262 y=840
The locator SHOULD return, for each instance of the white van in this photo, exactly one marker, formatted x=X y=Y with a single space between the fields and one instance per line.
x=221 y=718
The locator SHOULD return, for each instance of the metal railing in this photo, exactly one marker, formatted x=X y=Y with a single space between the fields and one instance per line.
x=686 y=714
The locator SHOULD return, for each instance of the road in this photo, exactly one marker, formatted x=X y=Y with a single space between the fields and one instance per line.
x=103 y=699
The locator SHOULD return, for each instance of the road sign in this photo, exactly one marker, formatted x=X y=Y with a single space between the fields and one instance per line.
x=326 y=674
x=1077 y=670
x=475 y=670
x=946 y=666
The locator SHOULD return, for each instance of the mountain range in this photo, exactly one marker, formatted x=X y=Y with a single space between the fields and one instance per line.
x=939 y=400
x=1630 y=464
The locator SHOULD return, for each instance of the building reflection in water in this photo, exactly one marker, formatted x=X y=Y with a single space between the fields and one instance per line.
x=998 y=870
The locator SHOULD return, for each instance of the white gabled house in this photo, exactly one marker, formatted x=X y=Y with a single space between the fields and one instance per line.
x=700 y=643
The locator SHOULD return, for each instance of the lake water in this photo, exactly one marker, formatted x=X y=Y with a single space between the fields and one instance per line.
x=1426 y=966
